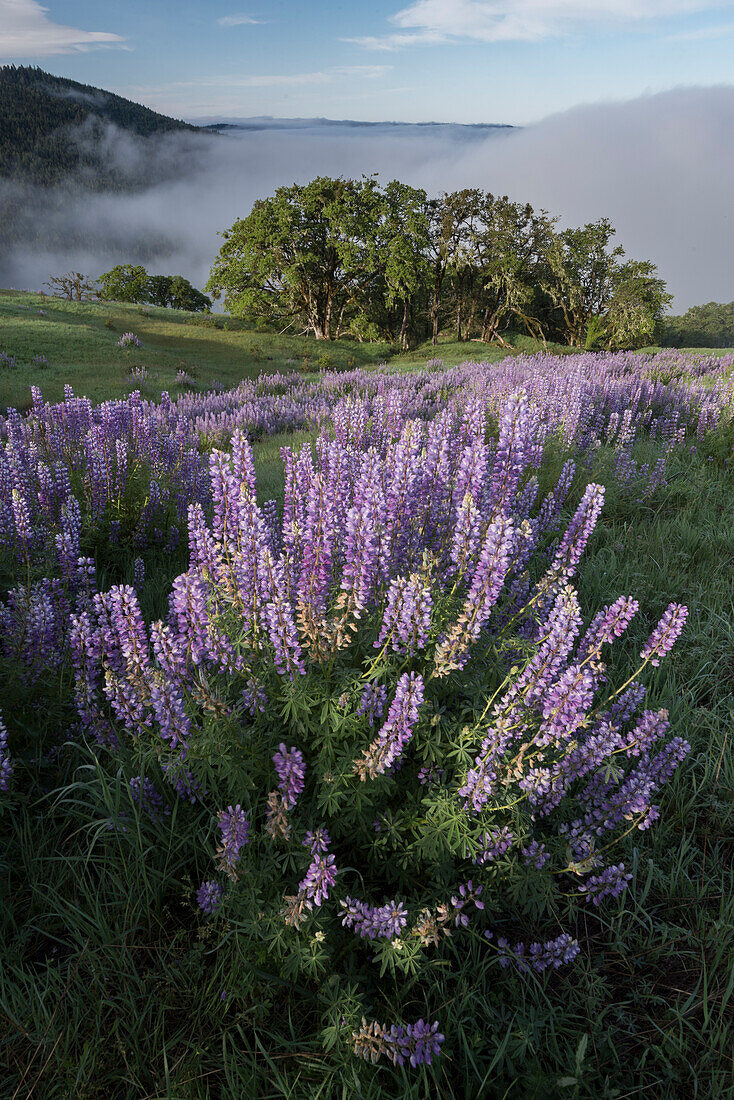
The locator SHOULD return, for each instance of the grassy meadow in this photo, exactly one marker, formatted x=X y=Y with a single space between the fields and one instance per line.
x=79 y=340
x=111 y=986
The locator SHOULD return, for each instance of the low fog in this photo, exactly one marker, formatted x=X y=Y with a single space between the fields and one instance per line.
x=660 y=167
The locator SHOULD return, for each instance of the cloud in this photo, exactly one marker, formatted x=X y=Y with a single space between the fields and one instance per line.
x=434 y=22
x=27 y=32
x=240 y=21
x=660 y=167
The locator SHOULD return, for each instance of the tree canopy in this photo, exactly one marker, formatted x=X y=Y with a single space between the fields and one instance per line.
x=342 y=256
x=132 y=283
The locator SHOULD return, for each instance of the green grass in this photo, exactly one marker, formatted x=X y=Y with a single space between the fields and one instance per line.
x=79 y=340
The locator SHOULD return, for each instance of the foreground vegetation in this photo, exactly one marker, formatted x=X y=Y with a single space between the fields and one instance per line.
x=114 y=982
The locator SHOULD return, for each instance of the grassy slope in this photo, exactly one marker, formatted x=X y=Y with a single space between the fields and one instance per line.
x=81 y=349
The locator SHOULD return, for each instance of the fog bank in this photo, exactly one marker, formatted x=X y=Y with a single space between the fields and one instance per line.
x=660 y=167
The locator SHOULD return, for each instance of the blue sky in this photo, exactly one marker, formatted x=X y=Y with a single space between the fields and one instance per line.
x=445 y=60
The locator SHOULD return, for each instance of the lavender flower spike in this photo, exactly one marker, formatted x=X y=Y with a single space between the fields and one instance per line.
x=291 y=769
x=397 y=730
x=235 y=830
x=6 y=767
x=666 y=633
x=209 y=896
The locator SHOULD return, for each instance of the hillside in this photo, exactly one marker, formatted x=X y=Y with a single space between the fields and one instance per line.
x=51 y=128
x=79 y=341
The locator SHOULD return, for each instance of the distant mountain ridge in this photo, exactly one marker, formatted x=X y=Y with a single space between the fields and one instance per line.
x=52 y=128
x=348 y=128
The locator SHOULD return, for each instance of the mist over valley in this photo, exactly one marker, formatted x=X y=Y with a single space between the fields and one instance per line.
x=659 y=167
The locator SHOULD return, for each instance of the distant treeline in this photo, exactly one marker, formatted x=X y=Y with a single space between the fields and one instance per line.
x=52 y=128
x=707 y=326
x=132 y=283
x=337 y=257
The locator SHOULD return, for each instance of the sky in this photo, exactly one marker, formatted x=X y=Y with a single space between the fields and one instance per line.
x=504 y=61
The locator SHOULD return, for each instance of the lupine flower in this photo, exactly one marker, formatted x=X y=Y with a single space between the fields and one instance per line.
x=6 y=765
x=578 y=533
x=291 y=769
x=129 y=340
x=407 y=617
x=209 y=896
x=320 y=877
x=372 y=702
x=235 y=832
x=609 y=884
x=374 y=921
x=665 y=634
x=417 y=1043
x=540 y=956
x=147 y=799
x=397 y=730
x=494 y=844
x=535 y=855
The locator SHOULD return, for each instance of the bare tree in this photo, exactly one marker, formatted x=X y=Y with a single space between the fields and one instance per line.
x=73 y=286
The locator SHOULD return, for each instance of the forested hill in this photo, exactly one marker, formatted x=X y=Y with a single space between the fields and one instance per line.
x=51 y=127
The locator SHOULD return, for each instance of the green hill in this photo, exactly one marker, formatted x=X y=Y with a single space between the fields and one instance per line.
x=51 y=128
x=49 y=342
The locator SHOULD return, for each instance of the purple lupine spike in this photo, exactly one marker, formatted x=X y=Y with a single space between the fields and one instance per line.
x=243 y=463
x=609 y=884
x=481 y=779
x=291 y=770
x=225 y=496
x=86 y=652
x=124 y=611
x=486 y=584
x=6 y=764
x=665 y=634
x=397 y=730
x=189 y=612
x=553 y=953
x=234 y=827
x=372 y=702
x=319 y=878
x=517 y=429
x=406 y=621
x=652 y=725
x=147 y=799
x=535 y=855
x=276 y=614
x=417 y=1043
x=578 y=533
x=374 y=922
x=209 y=896
x=365 y=521
x=494 y=844
x=466 y=535
x=610 y=623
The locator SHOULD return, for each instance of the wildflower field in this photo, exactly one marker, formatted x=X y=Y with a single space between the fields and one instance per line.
x=368 y=733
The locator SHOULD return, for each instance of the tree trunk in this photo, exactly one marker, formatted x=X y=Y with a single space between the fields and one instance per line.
x=404 y=326
x=435 y=304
